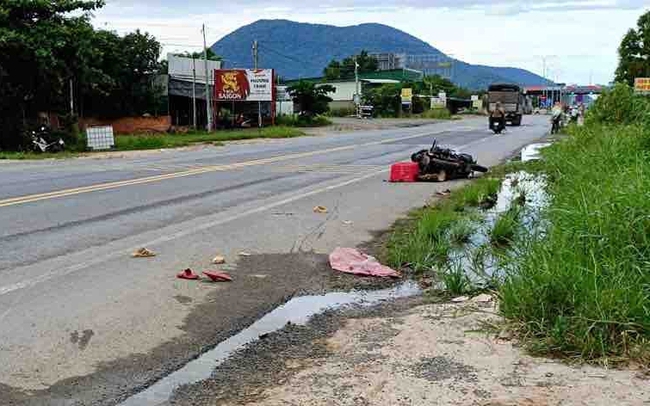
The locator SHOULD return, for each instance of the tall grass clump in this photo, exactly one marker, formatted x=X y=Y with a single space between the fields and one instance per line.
x=583 y=290
x=425 y=241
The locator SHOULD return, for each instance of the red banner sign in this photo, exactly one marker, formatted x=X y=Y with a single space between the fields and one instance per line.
x=231 y=85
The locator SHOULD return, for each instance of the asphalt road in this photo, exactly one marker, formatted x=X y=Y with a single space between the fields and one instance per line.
x=81 y=322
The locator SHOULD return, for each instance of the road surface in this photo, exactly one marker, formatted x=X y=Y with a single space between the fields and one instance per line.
x=81 y=322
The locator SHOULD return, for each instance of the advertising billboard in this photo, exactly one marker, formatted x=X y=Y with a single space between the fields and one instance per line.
x=642 y=85
x=243 y=85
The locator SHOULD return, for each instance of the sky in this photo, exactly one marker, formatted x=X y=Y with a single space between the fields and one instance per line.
x=576 y=40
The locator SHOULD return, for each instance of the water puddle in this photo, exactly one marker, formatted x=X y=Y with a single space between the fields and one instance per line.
x=479 y=259
x=298 y=311
x=532 y=152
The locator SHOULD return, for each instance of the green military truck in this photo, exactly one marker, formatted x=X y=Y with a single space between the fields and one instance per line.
x=512 y=101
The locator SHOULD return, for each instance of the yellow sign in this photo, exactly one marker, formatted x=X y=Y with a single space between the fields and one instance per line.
x=407 y=95
x=642 y=85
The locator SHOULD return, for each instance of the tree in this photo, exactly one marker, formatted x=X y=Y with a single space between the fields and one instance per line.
x=312 y=98
x=345 y=70
x=199 y=55
x=333 y=70
x=634 y=52
x=39 y=44
x=46 y=45
x=385 y=99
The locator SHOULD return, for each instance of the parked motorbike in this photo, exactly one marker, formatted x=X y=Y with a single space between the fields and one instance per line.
x=442 y=164
x=40 y=142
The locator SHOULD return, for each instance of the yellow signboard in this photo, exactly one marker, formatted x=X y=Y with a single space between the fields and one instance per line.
x=642 y=85
x=407 y=95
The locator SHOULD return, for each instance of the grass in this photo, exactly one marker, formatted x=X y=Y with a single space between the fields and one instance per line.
x=505 y=227
x=139 y=142
x=455 y=280
x=143 y=142
x=434 y=114
x=33 y=155
x=424 y=241
x=583 y=291
x=297 y=121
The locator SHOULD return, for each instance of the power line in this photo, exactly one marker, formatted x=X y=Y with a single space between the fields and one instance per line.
x=266 y=48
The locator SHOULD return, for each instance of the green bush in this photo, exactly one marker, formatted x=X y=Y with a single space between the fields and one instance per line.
x=584 y=288
x=619 y=106
x=302 y=121
x=342 y=112
x=437 y=114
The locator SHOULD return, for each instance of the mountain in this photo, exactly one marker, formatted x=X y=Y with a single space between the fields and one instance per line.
x=298 y=50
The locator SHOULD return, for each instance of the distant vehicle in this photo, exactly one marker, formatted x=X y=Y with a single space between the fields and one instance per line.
x=511 y=98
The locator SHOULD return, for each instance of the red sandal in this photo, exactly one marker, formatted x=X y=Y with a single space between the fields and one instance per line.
x=188 y=274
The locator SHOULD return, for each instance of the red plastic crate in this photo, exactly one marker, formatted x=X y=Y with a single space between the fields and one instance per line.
x=404 y=172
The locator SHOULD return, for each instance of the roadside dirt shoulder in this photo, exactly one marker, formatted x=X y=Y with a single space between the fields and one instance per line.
x=406 y=353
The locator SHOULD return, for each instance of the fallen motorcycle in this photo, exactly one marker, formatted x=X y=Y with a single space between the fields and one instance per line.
x=440 y=164
x=39 y=139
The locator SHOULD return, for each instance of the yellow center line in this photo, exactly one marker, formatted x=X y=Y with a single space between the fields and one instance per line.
x=190 y=172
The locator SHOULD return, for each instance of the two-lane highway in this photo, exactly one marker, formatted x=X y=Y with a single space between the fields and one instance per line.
x=81 y=322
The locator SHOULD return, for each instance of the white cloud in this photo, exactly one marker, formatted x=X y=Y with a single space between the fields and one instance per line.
x=584 y=35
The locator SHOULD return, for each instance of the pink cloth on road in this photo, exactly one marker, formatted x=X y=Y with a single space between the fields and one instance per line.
x=351 y=260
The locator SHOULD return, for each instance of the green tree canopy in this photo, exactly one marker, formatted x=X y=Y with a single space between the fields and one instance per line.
x=634 y=52
x=47 y=44
x=336 y=70
x=312 y=98
x=199 y=55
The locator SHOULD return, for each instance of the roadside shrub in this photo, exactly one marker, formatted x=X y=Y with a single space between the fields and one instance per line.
x=342 y=112
x=302 y=121
x=436 y=114
x=619 y=106
x=584 y=289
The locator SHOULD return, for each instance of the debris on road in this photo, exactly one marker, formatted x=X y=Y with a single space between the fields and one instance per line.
x=218 y=276
x=347 y=223
x=444 y=193
x=460 y=299
x=483 y=298
x=353 y=261
x=188 y=274
x=259 y=276
x=320 y=209
x=218 y=260
x=143 y=253
x=244 y=254
x=404 y=172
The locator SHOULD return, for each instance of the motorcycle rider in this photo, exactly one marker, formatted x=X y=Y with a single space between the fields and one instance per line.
x=498 y=115
x=556 y=117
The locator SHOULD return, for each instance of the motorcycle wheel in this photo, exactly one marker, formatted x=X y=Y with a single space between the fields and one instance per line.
x=479 y=168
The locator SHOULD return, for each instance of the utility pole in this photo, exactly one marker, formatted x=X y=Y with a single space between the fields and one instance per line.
x=356 y=87
x=208 y=107
x=71 y=99
x=256 y=65
x=193 y=92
